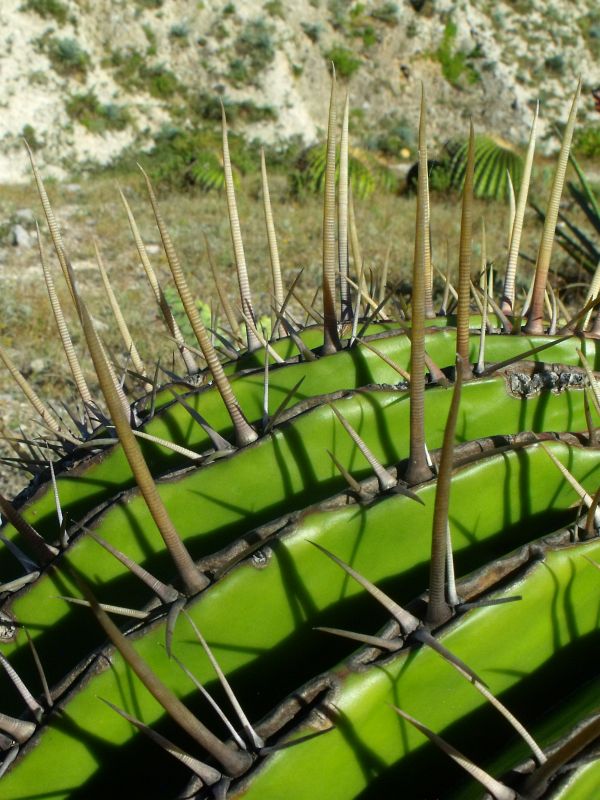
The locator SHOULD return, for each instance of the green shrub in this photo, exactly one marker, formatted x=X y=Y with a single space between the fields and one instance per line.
x=254 y=51
x=313 y=30
x=205 y=106
x=394 y=135
x=133 y=72
x=357 y=10
x=53 y=9
x=440 y=177
x=160 y=81
x=587 y=141
x=589 y=25
x=368 y=34
x=179 y=31
x=151 y=38
x=455 y=64
x=344 y=60
x=97 y=117
x=173 y=299
x=30 y=136
x=388 y=13
x=68 y=57
x=177 y=308
x=126 y=66
x=439 y=173
x=338 y=13
x=219 y=31
x=555 y=64
x=355 y=22
x=238 y=72
x=192 y=158
x=274 y=8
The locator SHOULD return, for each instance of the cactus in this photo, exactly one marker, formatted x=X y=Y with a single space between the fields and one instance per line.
x=323 y=565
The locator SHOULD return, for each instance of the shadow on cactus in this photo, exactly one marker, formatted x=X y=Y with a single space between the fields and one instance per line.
x=495 y=161
x=332 y=564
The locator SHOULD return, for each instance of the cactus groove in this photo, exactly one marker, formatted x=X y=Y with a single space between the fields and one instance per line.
x=357 y=560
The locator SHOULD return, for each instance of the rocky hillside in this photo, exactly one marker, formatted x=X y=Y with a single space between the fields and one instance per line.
x=85 y=79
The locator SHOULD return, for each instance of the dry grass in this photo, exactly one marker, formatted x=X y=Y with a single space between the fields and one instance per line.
x=27 y=327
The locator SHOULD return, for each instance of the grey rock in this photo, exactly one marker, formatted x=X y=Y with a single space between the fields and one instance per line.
x=20 y=237
x=99 y=325
x=37 y=365
x=25 y=217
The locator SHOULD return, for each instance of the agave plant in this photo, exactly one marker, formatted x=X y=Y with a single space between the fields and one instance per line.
x=326 y=565
x=578 y=243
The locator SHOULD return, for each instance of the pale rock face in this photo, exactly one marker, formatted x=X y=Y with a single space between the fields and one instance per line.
x=520 y=51
x=20 y=237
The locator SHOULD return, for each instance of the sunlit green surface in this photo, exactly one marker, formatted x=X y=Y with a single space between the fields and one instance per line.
x=259 y=646
x=260 y=620
x=212 y=506
x=94 y=482
x=501 y=643
x=583 y=784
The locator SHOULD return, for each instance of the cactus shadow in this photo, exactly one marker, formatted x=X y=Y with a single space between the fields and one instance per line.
x=484 y=736
x=76 y=633
x=363 y=372
x=568 y=613
x=160 y=777
x=180 y=423
x=525 y=482
x=393 y=447
x=424 y=773
x=511 y=534
x=46 y=523
x=395 y=682
x=370 y=763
